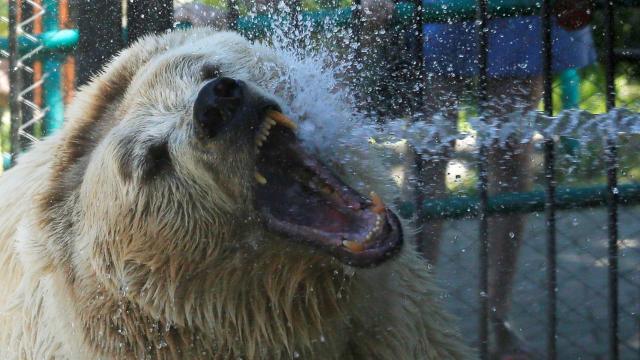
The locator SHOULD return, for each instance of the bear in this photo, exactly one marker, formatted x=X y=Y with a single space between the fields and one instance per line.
x=178 y=215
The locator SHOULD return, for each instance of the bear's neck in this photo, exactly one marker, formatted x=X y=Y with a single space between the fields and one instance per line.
x=265 y=310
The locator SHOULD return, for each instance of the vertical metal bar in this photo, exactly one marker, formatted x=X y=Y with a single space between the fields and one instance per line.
x=612 y=185
x=417 y=25
x=612 y=206
x=356 y=27
x=550 y=213
x=546 y=56
x=99 y=40
x=296 y=13
x=68 y=67
x=233 y=13
x=550 y=184
x=609 y=37
x=52 y=85
x=148 y=16
x=484 y=253
x=15 y=81
x=482 y=16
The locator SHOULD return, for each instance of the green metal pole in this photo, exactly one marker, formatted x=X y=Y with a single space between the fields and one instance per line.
x=6 y=161
x=52 y=65
x=62 y=41
x=523 y=202
x=570 y=89
x=570 y=85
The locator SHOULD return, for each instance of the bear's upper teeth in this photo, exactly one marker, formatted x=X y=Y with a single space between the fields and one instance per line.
x=272 y=118
x=281 y=119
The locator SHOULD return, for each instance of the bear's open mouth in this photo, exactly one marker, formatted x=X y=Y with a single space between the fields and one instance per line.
x=301 y=199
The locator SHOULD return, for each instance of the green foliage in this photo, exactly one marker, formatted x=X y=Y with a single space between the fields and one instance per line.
x=4 y=132
x=4 y=12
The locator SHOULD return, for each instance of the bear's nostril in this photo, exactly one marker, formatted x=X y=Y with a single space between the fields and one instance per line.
x=216 y=105
x=226 y=88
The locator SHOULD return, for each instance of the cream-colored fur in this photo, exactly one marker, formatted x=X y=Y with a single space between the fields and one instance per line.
x=101 y=260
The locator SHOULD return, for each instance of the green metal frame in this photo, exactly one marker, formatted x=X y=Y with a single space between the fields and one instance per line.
x=522 y=202
x=65 y=41
x=52 y=66
x=52 y=42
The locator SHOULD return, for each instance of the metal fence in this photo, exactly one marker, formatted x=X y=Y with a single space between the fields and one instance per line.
x=564 y=213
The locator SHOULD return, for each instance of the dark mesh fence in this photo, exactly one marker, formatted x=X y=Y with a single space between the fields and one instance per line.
x=582 y=278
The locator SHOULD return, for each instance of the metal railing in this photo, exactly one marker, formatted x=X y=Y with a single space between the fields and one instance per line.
x=22 y=48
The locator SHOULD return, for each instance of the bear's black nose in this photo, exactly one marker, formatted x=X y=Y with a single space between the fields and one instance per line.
x=216 y=105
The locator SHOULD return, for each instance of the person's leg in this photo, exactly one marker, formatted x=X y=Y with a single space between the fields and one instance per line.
x=428 y=178
x=508 y=172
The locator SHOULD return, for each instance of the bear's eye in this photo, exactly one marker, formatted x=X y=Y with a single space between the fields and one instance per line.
x=209 y=72
x=156 y=161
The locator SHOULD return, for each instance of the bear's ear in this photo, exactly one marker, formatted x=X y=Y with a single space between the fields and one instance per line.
x=103 y=93
x=92 y=113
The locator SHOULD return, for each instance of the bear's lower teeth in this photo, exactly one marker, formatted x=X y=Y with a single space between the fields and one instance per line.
x=378 y=205
x=353 y=246
x=260 y=179
x=359 y=246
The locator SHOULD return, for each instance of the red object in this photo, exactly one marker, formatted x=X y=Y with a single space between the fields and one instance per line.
x=573 y=14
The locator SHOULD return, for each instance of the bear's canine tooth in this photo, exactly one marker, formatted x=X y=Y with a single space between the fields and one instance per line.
x=281 y=119
x=260 y=179
x=378 y=205
x=353 y=245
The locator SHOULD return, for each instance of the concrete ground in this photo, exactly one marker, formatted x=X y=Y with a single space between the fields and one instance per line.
x=582 y=277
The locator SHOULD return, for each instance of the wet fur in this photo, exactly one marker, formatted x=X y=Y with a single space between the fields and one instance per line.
x=117 y=243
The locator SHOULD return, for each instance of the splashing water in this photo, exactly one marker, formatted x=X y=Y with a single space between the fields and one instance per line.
x=324 y=106
x=327 y=109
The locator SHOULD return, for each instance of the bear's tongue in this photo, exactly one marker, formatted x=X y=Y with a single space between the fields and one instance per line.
x=302 y=200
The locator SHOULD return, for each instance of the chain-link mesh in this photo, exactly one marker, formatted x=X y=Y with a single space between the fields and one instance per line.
x=31 y=12
x=582 y=278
